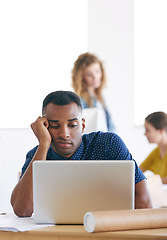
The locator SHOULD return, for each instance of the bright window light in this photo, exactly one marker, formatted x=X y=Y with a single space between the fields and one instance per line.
x=150 y=58
x=40 y=40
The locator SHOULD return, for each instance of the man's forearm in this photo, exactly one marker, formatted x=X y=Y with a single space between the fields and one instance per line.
x=142 y=195
x=22 y=195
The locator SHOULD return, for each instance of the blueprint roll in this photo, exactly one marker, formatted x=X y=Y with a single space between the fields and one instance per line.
x=106 y=221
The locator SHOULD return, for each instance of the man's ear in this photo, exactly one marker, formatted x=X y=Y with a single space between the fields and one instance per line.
x=83 y=124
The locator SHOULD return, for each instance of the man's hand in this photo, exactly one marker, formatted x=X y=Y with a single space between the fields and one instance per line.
x=40 y=129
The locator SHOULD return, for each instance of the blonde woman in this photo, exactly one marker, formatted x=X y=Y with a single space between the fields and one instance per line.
x=88 y=81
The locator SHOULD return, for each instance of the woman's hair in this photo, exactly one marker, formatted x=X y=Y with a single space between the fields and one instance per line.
x=78 y=83
x=158 y=120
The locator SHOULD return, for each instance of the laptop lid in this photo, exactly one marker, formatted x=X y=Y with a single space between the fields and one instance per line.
x=64 y=191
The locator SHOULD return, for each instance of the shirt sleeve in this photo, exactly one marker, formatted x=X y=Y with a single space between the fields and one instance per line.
x=29 y=157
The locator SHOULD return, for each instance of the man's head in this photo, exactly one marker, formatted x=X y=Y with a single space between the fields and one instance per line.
x=61 y=98
x=63 y=111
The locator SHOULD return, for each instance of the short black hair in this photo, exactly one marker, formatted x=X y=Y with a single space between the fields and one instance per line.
x=61 y=98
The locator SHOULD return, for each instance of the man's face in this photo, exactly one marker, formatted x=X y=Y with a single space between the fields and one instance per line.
x=66 y=127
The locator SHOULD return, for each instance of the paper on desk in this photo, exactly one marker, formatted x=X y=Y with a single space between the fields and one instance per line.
x=157 y=191
x=9 y=222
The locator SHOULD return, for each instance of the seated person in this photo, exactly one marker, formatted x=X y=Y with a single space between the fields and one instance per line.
x=156 y=132
x=59 y=132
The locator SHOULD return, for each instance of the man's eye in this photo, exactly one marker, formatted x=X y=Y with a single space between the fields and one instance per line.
x=73 y=125
x=55 y=126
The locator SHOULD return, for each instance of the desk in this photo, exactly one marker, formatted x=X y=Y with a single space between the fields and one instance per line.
x=75 y=232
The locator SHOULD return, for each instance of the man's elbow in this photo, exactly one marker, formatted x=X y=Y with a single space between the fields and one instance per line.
x=143 y=202
x=21 y=210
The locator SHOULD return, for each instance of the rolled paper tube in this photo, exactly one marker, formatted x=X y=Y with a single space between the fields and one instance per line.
x=105 y=221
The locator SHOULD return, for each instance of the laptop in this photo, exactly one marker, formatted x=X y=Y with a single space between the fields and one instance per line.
x=63 y=191
x=95 y=120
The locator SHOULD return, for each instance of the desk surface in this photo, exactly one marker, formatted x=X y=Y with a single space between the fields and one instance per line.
x=74 y=232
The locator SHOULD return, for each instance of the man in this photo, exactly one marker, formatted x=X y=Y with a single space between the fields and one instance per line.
x=59 y=132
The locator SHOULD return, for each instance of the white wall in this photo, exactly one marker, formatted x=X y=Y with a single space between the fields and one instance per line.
x=14 y=144
x=39 y=41
x=111 y=37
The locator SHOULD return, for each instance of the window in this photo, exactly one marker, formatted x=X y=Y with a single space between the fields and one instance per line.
x=40 y=40
x=150 y=20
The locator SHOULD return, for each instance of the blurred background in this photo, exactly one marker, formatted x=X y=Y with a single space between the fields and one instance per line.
x=39 y=42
